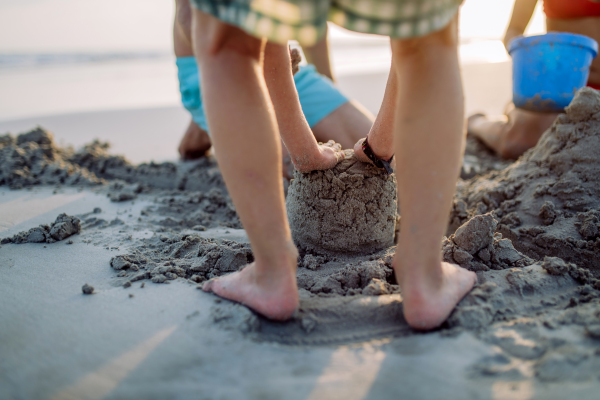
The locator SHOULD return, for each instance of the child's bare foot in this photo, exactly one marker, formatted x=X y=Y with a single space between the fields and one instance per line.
x=510 y=135
x=384 y=151
x=272 y=293
x=428 y=302
x=328 y=156
x=195 y=142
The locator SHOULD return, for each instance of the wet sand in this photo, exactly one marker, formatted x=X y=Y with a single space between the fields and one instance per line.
x=530 y=328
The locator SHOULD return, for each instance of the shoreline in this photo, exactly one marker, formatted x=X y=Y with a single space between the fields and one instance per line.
x=150 y=133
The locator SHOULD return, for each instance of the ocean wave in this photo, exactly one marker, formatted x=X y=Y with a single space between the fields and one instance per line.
x=10 y=61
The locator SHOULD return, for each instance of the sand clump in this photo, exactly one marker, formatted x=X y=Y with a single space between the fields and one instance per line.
x=87 y=289
x=477 y=247
x=548 y=202
x=168 y=257
x=32 y=158
x=187 y=194
x=350 y=209
x=62 y=228
x=348 y=276
x=201 y=175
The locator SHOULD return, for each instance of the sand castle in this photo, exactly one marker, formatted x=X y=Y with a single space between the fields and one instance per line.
x=350 y=209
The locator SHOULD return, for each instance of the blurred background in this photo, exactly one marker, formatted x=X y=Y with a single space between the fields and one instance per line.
x=105 y=69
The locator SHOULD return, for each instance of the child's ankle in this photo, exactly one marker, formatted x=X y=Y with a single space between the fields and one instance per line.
x=286 y=254
x=417 y=272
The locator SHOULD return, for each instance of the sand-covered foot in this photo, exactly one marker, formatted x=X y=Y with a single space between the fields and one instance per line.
x=381 y=150
x=510 y=135
x=492 y=132
x=328 y=155
x=273 y=294
x=195 y=142
x=428 y=306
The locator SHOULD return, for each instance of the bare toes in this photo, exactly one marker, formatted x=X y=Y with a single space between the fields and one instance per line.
x=208 y=285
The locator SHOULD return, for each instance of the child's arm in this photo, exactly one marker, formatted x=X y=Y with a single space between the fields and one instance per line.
x=521 y=15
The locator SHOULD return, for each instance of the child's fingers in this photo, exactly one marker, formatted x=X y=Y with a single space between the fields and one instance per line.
x=335 y=146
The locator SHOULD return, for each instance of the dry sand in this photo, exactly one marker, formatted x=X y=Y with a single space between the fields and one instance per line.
x=538 y=314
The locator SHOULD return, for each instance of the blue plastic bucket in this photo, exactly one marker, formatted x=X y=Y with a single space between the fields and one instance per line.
x=549 y=69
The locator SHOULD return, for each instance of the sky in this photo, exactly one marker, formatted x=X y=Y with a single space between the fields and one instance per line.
x=34 y=26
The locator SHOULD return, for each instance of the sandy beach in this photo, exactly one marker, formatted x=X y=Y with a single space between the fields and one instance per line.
x=144 y=236
x=107 y=237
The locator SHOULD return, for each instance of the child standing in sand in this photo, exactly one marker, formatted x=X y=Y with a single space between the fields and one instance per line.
x=241 y=46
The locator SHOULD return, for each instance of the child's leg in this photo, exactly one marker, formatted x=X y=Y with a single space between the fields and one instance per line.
x=512 y=134
x=246 y=142
x=428 y=141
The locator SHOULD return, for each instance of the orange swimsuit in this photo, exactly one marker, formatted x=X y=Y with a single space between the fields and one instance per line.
x=571 y=9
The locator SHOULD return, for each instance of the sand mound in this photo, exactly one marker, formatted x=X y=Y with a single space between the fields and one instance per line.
x=188 y=194
x=173 y=256
x=201 y=175
x=548 y=202
x=477 y=247
x=33 y=159
x=62 y=228
x=350 y=209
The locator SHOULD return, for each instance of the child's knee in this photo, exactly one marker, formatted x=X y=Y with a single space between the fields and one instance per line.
x=212 y=37
x=445 y=38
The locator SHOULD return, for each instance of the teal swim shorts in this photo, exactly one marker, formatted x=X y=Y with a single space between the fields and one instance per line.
x=318 y=96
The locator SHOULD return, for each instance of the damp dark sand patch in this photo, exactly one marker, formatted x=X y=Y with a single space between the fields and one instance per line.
x=350 y=209
x=321 y=321
x=548 y=202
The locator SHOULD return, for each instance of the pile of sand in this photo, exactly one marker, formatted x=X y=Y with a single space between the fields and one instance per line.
x=32 y=158
x=350 y=209
x=191 y=257
x=62 y=228
x=188 y=194
x=548 y=202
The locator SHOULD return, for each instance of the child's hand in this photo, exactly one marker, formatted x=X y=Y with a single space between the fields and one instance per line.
x=328 y=156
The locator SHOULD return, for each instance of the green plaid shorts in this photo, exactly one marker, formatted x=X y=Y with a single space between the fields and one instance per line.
x=305 y=20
